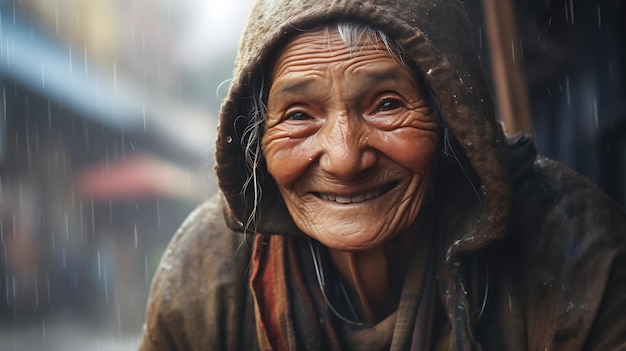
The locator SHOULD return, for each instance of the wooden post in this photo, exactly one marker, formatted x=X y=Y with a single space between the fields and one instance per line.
x=510 y=87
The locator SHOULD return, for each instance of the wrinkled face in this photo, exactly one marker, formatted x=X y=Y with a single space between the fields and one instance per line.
x=349 y=140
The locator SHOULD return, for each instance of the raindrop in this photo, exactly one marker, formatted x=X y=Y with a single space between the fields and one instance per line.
x=111 y=210
x=6 y=284
x=145 y=266
x=595 y=111
x=119 y=317
x=36 y=292
x=599 y=18
x=71 y=62
x=136 y=241
x=567 y=91
x=571 y=10
x=43 y=77
x=93 y=219
x=143 y=115
x=80 y=216
x=85 y=59
x=56 y=17
x=43 y=327
x=106 y=286
x=115 y=75
x=4 y=107
x=14 y=226
x=158 y=214
x=99 y=264
x=67 y=227
x=48 y=287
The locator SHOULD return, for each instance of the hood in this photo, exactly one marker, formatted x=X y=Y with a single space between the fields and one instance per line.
x=472 y=192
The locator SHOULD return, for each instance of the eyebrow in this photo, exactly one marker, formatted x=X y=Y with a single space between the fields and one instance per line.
x=295 y=88
x=384 y=75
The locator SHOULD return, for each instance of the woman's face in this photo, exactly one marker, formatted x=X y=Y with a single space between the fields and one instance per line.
x=349 y=140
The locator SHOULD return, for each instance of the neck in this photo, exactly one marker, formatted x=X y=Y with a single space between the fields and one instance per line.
x=375 y=276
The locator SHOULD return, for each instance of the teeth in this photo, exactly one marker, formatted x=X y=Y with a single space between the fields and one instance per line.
x=343 y=200
x=354 y=199
x=358 y=198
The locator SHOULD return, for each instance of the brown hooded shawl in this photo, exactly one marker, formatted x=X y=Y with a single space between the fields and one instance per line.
x=549 y=246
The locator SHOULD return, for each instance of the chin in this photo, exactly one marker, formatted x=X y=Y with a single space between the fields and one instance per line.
x=360 y=240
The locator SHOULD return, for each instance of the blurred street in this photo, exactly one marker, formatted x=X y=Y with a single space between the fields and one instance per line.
x=64 y=336
x=106 y=133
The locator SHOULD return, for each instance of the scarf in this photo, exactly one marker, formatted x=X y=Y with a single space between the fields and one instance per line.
x=291 y=312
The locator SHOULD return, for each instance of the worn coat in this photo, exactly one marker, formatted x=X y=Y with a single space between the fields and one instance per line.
x=533 y=254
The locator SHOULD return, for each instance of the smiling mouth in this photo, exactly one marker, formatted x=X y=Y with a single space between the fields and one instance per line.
x=358 y=198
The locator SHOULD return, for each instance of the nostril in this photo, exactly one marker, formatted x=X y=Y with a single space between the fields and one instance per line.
x=369 y=158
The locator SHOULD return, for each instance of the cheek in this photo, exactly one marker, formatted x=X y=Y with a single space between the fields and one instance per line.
x=410 y=148
x=287 y=158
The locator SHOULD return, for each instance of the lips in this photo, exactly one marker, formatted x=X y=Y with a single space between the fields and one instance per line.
x=358 y=198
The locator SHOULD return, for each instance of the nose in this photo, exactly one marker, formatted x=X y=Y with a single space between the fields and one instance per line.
x=346 y=148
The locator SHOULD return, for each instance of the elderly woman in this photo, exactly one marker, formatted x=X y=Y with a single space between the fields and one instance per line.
x=370 y=201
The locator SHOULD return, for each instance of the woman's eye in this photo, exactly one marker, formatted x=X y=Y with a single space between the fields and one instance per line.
x=389 y=105
x=298 y=116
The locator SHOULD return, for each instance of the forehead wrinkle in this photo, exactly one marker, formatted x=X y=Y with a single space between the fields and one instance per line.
x=296 y=88
x=387 y=75
x=290 y=81
x=305 y=59
x=309 y=60
x=326 y=47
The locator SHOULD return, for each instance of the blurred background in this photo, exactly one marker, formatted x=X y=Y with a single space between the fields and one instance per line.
x=108 y=119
